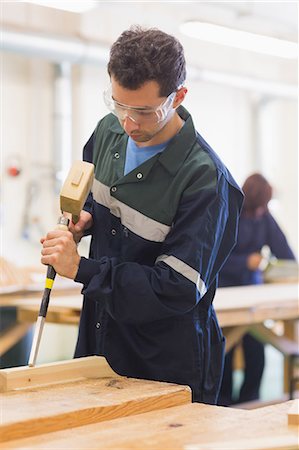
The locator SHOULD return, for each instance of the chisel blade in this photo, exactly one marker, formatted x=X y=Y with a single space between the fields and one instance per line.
x=36 y=340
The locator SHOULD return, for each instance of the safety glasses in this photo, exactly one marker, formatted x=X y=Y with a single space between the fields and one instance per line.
x=139 y=114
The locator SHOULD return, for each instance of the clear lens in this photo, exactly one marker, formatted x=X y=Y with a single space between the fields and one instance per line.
x=137 y=114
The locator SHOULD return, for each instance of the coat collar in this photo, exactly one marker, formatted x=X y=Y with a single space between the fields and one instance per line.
x=174 y=155
x=180 y=146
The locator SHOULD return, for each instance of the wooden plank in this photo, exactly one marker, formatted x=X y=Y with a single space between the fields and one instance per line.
x=194 y=426
x=35 y=411
x=293 y=413
x=57 y=372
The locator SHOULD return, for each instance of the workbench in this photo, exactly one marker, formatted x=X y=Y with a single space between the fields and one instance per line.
x=245 y=308
x=239 y=310
x=188 y=427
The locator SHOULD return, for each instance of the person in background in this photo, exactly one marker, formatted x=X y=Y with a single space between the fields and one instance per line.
x=257 y=228
x=163 y=216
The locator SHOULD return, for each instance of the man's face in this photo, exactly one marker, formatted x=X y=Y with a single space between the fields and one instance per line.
x=142 y=121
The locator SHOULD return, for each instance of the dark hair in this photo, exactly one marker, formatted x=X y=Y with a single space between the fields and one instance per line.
x=258 y=193
x=140 y=55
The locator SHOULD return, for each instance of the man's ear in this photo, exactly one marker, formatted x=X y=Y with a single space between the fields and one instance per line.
x=180 y=95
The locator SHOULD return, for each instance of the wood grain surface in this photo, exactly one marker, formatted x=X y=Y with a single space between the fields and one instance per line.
x=38 y=410
x=189 y=427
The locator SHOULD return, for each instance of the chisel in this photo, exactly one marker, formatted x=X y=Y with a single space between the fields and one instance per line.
x=73 y=195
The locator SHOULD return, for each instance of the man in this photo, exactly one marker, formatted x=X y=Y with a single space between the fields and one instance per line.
x=163 y=217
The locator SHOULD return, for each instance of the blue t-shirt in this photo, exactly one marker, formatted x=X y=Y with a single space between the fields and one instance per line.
x=137 y=155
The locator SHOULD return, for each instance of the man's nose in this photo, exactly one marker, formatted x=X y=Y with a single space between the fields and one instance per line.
x=130 y=125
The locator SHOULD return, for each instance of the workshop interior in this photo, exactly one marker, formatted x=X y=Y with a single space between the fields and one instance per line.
x=242 y=81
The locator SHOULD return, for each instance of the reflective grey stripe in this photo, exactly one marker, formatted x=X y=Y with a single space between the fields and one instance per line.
x=101 y=193
x=135 y=221
x=185 y=270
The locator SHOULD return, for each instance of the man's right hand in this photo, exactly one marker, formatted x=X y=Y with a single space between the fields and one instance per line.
x=85 y=221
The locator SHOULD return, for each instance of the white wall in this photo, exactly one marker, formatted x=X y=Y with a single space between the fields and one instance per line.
x=26 y=136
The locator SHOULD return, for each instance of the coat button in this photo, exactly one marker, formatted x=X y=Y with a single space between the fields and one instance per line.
x=116 y=155
x=113 y=232
x=98 y=325
x=139 y=175
x=114 y=189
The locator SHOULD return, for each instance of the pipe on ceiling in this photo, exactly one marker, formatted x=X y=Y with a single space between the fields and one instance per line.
x=78 y=51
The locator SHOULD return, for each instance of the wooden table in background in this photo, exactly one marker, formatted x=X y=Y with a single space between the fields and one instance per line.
x=239 y=310
x=245 y=308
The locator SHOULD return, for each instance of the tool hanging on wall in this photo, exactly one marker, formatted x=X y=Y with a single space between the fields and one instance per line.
x=73 y=195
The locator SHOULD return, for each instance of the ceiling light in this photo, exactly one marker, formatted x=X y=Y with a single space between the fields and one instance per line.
x=240 y=39
x=79 y=6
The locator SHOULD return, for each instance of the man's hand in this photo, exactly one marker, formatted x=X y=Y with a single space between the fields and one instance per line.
x=60 y=251
x=84 y=222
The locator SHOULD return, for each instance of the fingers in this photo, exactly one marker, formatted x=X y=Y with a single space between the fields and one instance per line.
x=55 y=242
x=60 y=251
x=58 y=234
x=60 y=240
x=50 y=259
x=84 y=222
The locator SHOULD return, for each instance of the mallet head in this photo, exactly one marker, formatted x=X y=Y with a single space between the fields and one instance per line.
x=76 y=188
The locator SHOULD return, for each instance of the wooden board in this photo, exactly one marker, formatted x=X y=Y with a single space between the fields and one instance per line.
x=189 y=427
x=37 y=410
x=74 y=369
x=293 y=413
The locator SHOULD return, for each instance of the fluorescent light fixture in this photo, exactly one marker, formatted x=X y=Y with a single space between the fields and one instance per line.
x=79 y=6
x=240 y=39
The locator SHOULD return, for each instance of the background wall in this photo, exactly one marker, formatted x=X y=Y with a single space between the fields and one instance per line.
x=244 y=104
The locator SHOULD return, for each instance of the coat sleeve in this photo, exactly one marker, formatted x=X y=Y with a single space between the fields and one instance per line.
x=203 y=234
x=277 y=241
x=234 y=268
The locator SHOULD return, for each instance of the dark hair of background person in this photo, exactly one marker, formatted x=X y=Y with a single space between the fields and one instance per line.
x=140 y=55
x=258 y=193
